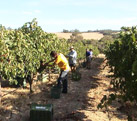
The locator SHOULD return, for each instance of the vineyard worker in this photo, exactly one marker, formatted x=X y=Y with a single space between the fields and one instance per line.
x=89 y=55
x=72 y=58
x=63 y=64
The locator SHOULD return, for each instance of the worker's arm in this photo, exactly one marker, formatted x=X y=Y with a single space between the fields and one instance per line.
x=47 y=63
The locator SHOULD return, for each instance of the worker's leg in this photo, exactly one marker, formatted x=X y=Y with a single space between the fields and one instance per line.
x=64 y=80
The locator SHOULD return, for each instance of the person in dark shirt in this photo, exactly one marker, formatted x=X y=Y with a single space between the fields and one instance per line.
x=87 y=53
x=88 y=58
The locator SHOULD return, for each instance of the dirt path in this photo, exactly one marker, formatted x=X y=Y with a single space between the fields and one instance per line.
x=80 y=104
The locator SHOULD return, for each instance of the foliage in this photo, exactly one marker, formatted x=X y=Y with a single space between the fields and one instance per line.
x=65 y=31
x=76 y=37
x=26 y=48
x=104 y=42
x=122 y=59
x=71 y=31
x=107 y=31
x=23 y=50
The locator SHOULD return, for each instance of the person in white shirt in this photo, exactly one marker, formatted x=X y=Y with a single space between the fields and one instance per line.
x=72 y=58
x=91 y=53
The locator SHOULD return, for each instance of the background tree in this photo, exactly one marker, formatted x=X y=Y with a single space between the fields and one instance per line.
x=65 y=31
x=76 y=37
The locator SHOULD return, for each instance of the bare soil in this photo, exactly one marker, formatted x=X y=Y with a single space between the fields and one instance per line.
x=79 y=104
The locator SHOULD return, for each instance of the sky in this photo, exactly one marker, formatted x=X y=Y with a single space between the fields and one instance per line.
x=56 y=15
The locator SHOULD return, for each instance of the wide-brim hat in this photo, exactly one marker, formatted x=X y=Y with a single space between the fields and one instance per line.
x=71 y=47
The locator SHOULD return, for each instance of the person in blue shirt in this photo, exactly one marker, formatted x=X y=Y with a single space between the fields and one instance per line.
x=89 y=54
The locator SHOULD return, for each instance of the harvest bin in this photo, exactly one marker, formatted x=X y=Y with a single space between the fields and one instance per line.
x=40 y=112
x=55 y=92
x=76 y=76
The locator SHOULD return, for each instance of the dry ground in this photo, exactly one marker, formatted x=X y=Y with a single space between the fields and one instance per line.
x=90 y=35
x=80 y=104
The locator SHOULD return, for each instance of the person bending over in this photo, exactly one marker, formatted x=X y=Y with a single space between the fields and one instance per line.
x=62 y=62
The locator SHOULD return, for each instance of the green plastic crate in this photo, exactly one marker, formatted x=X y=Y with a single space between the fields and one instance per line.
x=76 y=76
x=55 y=92
x=39 y=112
x=42 y=77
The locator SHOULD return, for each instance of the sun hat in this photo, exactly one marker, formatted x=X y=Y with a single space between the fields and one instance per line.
x=71 y=47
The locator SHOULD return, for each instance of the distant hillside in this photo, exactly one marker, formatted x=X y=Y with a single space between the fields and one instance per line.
x=89 y=35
